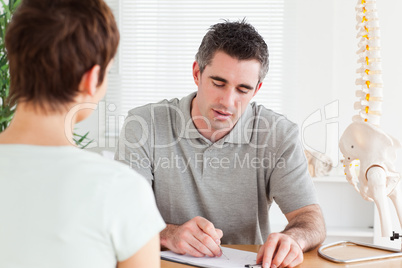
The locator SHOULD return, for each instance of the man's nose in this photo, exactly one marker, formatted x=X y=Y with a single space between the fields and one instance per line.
x=228 y=98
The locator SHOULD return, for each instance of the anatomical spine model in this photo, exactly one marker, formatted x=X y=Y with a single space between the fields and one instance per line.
x=369 y=152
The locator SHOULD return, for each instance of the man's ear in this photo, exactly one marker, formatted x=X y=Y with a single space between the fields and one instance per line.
x=257 y=88
x=196 y=73
x=89 y=81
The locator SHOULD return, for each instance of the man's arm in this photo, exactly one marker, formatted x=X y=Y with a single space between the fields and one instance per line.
x=305 y=231
x=197 y=237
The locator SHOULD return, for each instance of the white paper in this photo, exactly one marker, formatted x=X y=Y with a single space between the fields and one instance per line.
x=237 y=259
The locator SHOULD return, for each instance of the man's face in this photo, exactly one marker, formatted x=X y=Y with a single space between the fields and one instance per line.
x=225 y=88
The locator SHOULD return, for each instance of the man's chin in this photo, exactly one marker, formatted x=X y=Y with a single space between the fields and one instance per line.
x=223 y=126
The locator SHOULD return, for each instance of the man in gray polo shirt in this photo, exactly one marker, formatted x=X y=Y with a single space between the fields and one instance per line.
x=216 y=162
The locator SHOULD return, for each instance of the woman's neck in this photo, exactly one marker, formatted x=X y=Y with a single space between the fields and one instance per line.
x=34 y=126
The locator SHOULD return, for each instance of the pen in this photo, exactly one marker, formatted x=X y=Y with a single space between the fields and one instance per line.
x=222 y=252
x=253 y=266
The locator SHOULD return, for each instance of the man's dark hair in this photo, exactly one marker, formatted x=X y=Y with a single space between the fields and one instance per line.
x=52 y=43
x=237 y=39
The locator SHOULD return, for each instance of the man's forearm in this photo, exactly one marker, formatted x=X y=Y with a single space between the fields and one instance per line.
x=306 y=226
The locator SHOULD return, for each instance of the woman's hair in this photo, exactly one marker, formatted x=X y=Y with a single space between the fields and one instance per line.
x=52 y=43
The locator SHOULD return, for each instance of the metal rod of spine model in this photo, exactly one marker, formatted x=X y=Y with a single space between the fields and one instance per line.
x=370 y=73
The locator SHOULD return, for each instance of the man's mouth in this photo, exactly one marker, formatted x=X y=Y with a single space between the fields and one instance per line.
x=221 y=115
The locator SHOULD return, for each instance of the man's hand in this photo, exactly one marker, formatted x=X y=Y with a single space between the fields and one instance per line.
x=305 y=231
x=197 y=237
x=280 y=250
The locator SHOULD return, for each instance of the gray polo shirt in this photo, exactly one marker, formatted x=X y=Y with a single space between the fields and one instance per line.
x=231 y=182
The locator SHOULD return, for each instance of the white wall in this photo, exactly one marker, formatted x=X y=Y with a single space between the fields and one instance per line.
x=325 y=64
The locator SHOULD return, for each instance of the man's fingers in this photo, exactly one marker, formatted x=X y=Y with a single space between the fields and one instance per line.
x=209 y=246
x=283 y=249
x=208 y=235
x=200 y=246
x=280 y=250
x=296 y=261
x=193 y=236
x=185 y=248
x=260 y=254
x=197 y=237
x=269 y=250
x=294 y=258
x=219 y=232
x=207 y=227
x=190 y=244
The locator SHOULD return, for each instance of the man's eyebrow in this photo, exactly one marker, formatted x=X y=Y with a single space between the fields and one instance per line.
x=217 y=78
x=246 y=86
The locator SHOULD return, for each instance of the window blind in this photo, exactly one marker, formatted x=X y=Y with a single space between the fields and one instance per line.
x=159 y=40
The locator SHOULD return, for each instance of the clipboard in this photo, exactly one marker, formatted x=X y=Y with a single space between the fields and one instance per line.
x=182 y=262
x=236 y=259
x=351 y=252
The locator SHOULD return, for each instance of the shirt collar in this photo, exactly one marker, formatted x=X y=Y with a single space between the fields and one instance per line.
x=240 y=134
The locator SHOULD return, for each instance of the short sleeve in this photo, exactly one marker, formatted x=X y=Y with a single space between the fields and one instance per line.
x=134 y=143
x=290 y=184
x=131 y=214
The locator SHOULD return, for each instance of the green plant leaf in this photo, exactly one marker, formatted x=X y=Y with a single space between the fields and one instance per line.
x=5 y=6
x=82 y=141
x=6 y=10
x=6 y=112
x=16 y=4
x=82 y=137
x=6 y=116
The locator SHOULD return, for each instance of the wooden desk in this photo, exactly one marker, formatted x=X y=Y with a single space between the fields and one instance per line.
x=311 y=260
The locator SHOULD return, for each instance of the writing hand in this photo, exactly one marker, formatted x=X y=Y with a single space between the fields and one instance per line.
x=280 y=250
x=198 y=237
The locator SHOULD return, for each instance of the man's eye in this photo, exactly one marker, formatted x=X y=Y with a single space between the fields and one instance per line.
x=243 y=91
x=218 y=85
